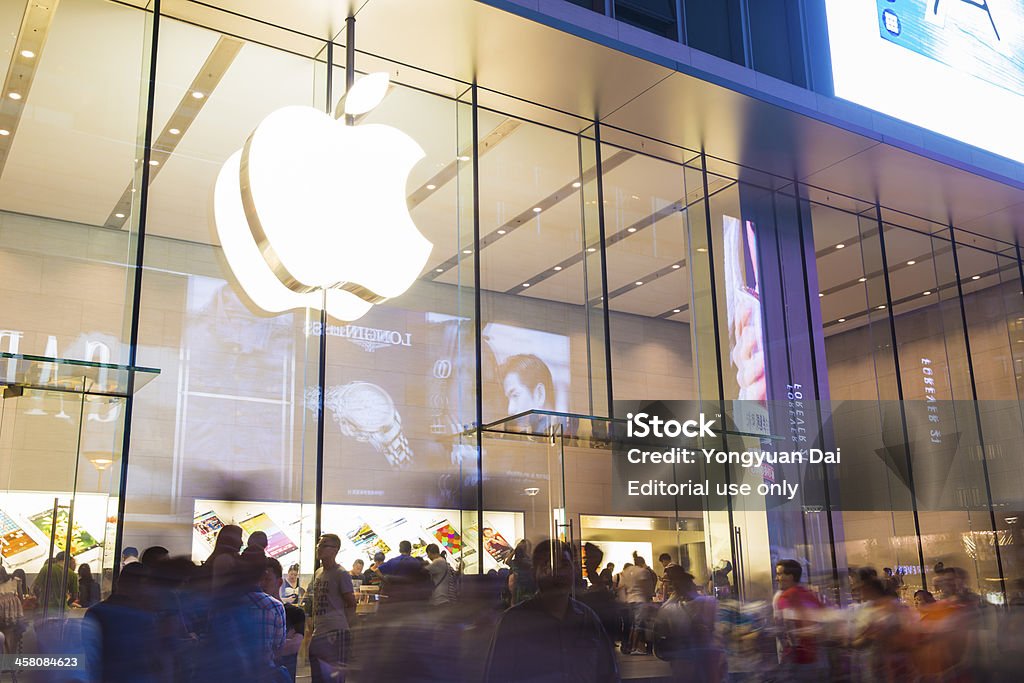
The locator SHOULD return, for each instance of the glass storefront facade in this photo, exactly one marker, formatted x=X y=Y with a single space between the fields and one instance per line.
x=567 y=255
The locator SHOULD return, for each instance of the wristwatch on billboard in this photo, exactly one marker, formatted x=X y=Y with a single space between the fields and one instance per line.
x=366 y=412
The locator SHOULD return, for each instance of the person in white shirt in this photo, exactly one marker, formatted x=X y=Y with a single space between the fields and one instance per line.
x=638 y=585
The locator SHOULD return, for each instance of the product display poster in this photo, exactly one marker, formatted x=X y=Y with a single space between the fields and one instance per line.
x=27 y=520
x=447 y=537
x=278 y=543
x=16 y=545
x=81 y=540
x=206 y=525
x=364 y=530
x=366 y=540
x=495 y=544
x=955 y=67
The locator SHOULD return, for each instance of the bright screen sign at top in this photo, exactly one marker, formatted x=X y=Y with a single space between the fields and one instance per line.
x=953 y=66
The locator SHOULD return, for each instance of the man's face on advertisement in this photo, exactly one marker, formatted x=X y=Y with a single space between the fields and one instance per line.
x=522 y=398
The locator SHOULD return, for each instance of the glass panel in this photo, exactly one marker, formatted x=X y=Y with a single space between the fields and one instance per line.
x=225 y=435
x=861 y=373
x=656 y=16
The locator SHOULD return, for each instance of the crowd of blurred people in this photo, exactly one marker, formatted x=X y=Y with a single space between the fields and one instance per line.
x=556 y=613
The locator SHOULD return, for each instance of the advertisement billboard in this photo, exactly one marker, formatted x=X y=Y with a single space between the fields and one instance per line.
x=955 y=67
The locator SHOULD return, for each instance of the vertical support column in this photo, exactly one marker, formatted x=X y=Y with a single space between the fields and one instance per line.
x=478 y=332
x=140 y=249
x=900 y=395
x=599 y=178
x=977 y=413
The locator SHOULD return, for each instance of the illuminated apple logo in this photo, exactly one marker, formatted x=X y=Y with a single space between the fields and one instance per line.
x=311 y=212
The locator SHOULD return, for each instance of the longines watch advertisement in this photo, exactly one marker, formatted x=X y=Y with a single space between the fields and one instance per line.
x=399 y=395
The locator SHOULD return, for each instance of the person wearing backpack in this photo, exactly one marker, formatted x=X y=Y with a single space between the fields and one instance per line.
x=441 y=576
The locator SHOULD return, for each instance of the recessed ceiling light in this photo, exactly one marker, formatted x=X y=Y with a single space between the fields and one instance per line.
x=630 y=229
x=28 y=54
x=820 y=295
x=911 y=262
x=840 y=246
x=882 y=307
x=701 y=249
x=841 y=320
x=526 y=284
x=925 y=293
x=558 y=267
x=577 y=184
x=591 y=249
x=198 y=95
x=154 y=162
x=536 y=209
x=676 y=310
x=863 y=279
x=467 y=251
x=118 y=215
x=676 y=266
x=463 y=157
x=4 y=131
x=976 y=277
x=431 y=187
x=502 y=232
x=14 y=95
x=174 y=131
x=635 y=197
x=439 y=270
x=639 y=282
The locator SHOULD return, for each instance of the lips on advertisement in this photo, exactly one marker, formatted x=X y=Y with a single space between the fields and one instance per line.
x=984 y=38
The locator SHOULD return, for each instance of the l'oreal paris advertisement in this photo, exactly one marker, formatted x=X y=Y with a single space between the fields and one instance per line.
x=746 y=333
x=953 y=66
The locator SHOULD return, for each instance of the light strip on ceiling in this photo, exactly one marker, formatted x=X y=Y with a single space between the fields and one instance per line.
x=562 y=193
x=451 y=170
x=184 y=115
x=35 y=27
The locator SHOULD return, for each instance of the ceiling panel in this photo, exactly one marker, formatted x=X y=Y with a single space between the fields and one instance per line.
x=74 y=149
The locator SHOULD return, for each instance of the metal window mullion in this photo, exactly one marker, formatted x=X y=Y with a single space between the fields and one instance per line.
x=133 y=333
x=977 y=411
x=899 y=393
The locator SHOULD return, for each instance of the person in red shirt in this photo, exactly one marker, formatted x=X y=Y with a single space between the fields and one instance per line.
x=800 y=656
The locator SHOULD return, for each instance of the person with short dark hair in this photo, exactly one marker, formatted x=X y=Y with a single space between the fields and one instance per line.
x=262 y=579
x=154 y=554
x=358 y=567
x=664 y=585
x=922 y=599
x=527 y=383
x=442 y=577
x=794 y=607
x=372 y=575
x=257 y=544
x=333 y=602
x=551 y=636
x=55 y=584
x=403 y=565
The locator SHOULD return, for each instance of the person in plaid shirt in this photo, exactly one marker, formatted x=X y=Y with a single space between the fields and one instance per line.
x=267 y=611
